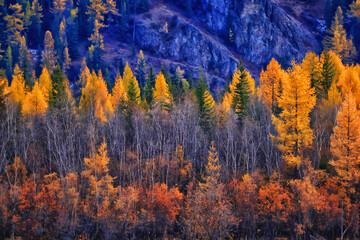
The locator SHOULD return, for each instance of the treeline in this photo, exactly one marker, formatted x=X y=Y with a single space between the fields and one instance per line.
x=166 y=160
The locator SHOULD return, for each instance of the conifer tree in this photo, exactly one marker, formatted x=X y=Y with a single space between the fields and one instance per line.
x=149 y=88
x=336 y=39
x=327 y=73
x=9 y=62
x=131 y=85
x=345 y=142
x=60 y=95
x=293 y=123
x=205 y=102
x=311 y=64
x=17 y=88
x=270 y=82
x=141 y=70
x=95 y=99
x=14 y=25
x=84 y=73
x=349 y=81
x=45 y=83
x=25 y=61
x=355 y=9
x=240 y=91
x=50 y=55
x=96 y=50
x=36 y=20
x=35 y=102
x=119 y=94
x=162 y=94
x=96 y=11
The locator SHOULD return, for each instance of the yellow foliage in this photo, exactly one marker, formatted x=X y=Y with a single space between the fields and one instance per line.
x=270 y=84
x=35 y=102
x=45 y=83
x=345 y=142
x=293 y=124
x=349 y=81
x=119 y=93
x=17 y=87
x=162 y=94
x=95 y=98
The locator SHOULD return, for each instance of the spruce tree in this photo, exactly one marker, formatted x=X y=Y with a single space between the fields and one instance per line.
x=327 y=73
x=141 y=70
x=149 y=88
x=241 y=92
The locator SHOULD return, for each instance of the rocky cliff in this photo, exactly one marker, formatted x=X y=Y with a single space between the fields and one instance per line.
x=217 y=35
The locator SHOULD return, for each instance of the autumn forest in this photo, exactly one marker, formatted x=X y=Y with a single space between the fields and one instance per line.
x=135 y=151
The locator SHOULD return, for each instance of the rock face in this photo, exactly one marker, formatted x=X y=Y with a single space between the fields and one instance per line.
x=261 y=30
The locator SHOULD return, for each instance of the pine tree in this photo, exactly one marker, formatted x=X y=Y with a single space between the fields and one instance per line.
x=327 y=73
x=131 y=85
x=9 y=63
x=141 y=70
x=96 y=50
x=35 y=102
x=206 y=104
x=149 y=88
x=293 y=123
x=240 y=91
x=36 y=20
x=60 y=95
x=162 y=96
x=270 y=84
x=25 y=62
x=345 y=142
x=50 y=55
x=336 y=39
x=14 y=25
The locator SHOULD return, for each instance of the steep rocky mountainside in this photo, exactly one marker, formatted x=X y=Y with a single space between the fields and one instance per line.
x=262 y=29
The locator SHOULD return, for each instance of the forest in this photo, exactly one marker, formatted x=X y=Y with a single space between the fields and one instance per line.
x=148 y=154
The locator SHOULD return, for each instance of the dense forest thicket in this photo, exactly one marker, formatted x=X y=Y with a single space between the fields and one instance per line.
x=152 y=155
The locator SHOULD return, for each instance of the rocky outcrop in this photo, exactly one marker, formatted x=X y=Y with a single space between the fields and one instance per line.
x=261 y=30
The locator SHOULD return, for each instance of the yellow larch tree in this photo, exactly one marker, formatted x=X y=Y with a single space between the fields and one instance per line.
x=349 y=81
x=95 y=98
x=85 y=73
x=345 y=141
x=119 y=94
x=293 y=123
x=35 y=103
x=45 y=83
x=162 y=94
x=49 y=54
x=311 y=63
x=14 y=24
x=17 y=88
x=270 y=84
x=101 y=193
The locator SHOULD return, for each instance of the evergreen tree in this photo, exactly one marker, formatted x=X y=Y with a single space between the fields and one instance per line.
x=327 y=73
x=9 y=62
x=96 y=50
x=149 y=88
x=60 y=95
x=240 y=92
x=141 y=70
x=36 y=20
x=206 y=104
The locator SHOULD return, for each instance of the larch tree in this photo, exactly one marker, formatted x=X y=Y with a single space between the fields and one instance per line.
x=95 y=99
x=101 y=193
x=293 y=123
x=35 y=103
x=96 y=11
x=141 y=70
x=311 y=64
x=270 y=84
x=14 y=24
x=45 y=83
x=119 y=94
x=345 y=141
x=336 y=39
x=206 y=104
x=85 y=73
x=355 y=9
x=349 y=81
x=162 y=96
x=50 y=55
x=17 y=88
